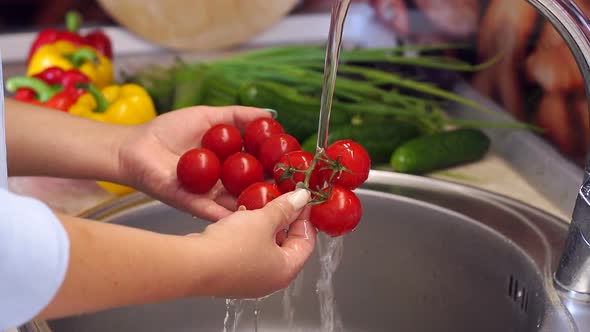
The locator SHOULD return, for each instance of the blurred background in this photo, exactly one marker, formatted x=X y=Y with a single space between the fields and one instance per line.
x=16 y=15
x=533 y=77
x=537 y=80
x=19 y=15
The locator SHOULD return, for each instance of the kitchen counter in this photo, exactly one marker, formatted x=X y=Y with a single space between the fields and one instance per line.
x=496 y=175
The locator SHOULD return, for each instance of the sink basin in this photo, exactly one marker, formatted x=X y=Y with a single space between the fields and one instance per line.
x=428 y=255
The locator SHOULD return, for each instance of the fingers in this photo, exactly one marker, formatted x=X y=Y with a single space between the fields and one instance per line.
x=227 y=201
x=282 y=233
x=211 y=206
x=214 y=205
x=281 y=237
x=206 y=209
x=299 y=244
x=281 y=211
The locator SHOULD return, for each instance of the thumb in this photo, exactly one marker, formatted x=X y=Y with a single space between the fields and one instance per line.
x=283 y=210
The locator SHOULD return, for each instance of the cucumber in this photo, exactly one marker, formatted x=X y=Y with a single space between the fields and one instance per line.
x=441 y=150
x=380 y=139
x=219 y=90
x=158 y=81
x=297 y=113
x=188 y=81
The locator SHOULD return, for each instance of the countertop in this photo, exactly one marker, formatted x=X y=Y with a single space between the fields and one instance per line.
x=496 y=175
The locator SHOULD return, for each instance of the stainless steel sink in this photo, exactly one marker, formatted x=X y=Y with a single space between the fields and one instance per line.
x=427 y=256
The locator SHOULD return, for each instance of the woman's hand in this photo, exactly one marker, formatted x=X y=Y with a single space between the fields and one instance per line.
x=149 y=154
x=237 y=257
x=245 y=256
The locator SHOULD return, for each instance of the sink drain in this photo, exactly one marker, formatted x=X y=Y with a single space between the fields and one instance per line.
x=518 y=293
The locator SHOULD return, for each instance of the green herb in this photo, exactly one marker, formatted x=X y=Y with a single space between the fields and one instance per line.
x=362 y=90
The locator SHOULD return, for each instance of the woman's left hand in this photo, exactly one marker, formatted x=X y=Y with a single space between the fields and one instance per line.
x=149 y=154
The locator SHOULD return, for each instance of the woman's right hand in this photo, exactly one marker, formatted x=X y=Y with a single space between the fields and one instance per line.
x=251 y=255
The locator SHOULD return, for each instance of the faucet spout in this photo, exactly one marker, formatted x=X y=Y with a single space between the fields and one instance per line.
x=573 y=273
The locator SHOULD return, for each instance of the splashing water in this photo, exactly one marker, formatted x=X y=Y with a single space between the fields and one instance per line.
x=294 y=290
x=256 y=314
x=330 y=251
x=234 y=310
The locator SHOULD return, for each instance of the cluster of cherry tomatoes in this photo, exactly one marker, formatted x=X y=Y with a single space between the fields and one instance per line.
x=265 y=162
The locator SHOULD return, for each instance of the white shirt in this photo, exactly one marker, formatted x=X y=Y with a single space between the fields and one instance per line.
x=34 y=249
x=3 y=170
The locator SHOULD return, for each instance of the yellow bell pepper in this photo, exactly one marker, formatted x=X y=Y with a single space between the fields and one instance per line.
x=115 y=189
x=66 y=55
x=127 y=104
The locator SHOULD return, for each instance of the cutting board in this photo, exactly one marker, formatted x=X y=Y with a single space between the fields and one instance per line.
x=197 y=24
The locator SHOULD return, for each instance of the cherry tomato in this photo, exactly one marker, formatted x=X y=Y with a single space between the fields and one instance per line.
x=274 y=148
x=258 y=131
x=353 y=163
x=198 y=170
x=257 y=195
x=288 y=171
x=223 y=139
x=339 y=214
x=239 y=171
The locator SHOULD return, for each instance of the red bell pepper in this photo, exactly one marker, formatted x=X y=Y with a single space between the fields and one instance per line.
x=96 y=38
x=54 y=76
x=53 y=88
x=51 y=96
x=66 y=78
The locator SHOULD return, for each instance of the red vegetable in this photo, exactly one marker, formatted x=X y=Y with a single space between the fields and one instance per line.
x=96 y=39
x=67 y=79
x=339 y=214
x=239 y=171
x=258 y=131
x=257 y=195
x=57 y=81
x=25 y=94
x=223 y=139
x=101 y=42
x=274 y=147
x=290 y=170
x=352 y=164
x=198 y=170
x=34 y=90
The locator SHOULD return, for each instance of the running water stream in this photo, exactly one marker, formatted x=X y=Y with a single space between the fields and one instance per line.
x=329 y=249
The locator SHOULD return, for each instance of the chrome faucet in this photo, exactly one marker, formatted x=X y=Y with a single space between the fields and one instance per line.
x=573 y=273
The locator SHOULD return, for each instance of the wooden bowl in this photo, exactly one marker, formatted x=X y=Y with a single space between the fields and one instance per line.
x=197 y=24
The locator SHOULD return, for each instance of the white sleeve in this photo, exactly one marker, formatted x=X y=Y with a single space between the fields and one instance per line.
x=34 y=255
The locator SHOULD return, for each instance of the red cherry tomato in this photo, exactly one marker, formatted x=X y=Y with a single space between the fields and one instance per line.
x=223 y=139
x=339 y=214
x=239 y=171
x=353 y=162
x=288 y=171
x=258 y=131
x=198 y=170
x=257 y=195
x=274 y=148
